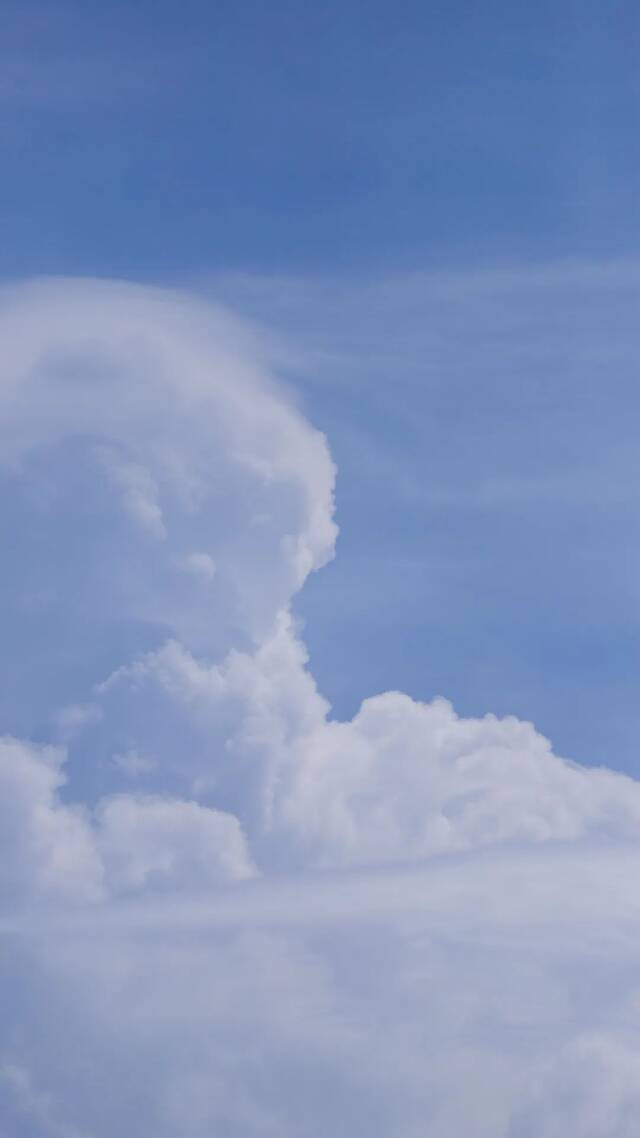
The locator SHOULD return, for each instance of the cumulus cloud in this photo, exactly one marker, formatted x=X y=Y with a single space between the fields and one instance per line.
x=46 y=846
x=54 y=850
x=154 y=842
x=288 y=925
x=139 y=434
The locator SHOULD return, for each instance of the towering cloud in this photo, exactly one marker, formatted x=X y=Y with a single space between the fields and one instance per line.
x=172 y=786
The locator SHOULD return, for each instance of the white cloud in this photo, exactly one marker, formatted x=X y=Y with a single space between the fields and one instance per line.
x=410 y=780
x=54 y=851
x=151 y=843
x=46 y=848
x=493 y=995
x=467 y=962
x=196 y=438
x=402 y=780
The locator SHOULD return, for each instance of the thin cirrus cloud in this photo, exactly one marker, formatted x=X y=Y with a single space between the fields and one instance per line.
x=241 y=914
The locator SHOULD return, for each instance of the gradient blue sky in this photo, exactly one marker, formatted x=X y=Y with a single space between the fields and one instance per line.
x=436 y=206
x=157 y=137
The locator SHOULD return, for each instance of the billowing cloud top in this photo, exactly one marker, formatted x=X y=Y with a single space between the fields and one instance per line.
x=171 y=784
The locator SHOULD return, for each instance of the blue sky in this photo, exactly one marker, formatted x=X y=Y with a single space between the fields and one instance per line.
x=289 y=841
x=157 y=138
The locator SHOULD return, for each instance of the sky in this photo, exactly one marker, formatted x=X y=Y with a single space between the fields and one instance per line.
x=319 y=782
x=153 y=138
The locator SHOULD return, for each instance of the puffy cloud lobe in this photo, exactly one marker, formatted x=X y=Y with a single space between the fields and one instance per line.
x=411 y=780
x=162 y=501
x=54 y=851
x=153 y=482
x=46 y=848
x=163 y=843
x=403 y=780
